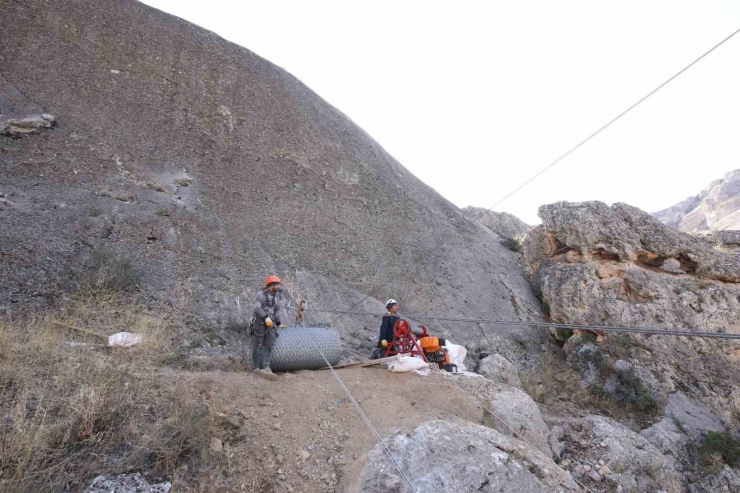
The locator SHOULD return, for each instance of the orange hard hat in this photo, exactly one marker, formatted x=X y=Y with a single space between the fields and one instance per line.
x=271 y=279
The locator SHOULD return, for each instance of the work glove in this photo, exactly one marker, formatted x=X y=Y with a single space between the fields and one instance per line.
x=268 y=323
x=281 y=326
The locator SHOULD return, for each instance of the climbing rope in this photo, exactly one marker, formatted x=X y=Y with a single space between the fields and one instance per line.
x=602 y=328
x=370 y=426
x=367 y=421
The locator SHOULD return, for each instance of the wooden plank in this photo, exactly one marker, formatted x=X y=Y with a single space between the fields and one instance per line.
x=364 y=363
x=379 y=361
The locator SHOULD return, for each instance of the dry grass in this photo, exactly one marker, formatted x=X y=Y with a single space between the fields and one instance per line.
x=69 y=414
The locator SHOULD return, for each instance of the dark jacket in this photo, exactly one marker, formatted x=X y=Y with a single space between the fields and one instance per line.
x=267 y=304
x=386 y=327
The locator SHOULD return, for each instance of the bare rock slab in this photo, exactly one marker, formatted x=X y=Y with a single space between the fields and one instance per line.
x=636 y=464
x=442 y=456
x=497 y=368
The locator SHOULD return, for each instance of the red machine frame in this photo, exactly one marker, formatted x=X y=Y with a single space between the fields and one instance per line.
x=404 y=341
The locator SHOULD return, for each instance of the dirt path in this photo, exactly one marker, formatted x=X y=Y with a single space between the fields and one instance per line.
x=301 y=433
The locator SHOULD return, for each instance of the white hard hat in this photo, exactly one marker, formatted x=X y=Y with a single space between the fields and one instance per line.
x=390 y=302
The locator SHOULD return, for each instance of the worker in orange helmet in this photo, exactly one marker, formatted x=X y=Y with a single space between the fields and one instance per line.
x=264 y=328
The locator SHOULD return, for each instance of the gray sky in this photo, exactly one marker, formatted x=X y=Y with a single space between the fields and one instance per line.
x=474 y=97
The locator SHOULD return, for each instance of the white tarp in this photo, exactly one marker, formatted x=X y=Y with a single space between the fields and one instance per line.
x=457 y=355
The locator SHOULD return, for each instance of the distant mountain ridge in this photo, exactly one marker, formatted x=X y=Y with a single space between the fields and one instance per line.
x=716 y=208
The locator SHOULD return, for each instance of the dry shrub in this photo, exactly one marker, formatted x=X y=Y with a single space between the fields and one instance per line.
x=559 y=385
x=70 y=413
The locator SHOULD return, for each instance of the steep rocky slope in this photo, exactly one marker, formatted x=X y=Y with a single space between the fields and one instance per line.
x=210 y=167
x=716 y=208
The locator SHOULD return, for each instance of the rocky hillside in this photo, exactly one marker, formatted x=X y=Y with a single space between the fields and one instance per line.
x=130 y=134
x=618 y=266
x=502 y=223
x=715 y=208
x=142 y=154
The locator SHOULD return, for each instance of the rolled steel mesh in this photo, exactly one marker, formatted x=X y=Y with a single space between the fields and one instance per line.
x=300 y=348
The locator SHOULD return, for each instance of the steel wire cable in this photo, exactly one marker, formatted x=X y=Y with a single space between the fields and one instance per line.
x=603 y=328
x=613 y=120
x=594 y=134
x=367 y=421
x=443 y=243
x=371 y=427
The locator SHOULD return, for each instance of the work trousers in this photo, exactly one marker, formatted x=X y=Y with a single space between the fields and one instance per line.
x=263 y=339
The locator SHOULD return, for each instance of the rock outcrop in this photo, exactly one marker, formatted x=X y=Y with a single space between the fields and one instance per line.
x=497 y=368
x=715 y=208
x=505 y=225
x=599 y=449
x=511 y=406
x=210 y=168
x=16 y=127
x=618 y=266
x=726 y=481
x=442 y=456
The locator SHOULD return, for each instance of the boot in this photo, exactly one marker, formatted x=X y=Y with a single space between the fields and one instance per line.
x=267 y=373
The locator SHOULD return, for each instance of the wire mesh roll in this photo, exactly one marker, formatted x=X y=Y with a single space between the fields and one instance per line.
x=301 y=348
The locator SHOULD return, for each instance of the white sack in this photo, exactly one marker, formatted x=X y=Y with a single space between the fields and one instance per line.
x=124 y=339
x=407 y=363
x=457 y=355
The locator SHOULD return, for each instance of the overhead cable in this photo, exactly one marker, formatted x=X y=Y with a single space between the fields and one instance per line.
x=604 y=127
x=555 y=325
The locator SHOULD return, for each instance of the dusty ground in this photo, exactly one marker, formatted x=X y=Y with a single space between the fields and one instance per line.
x=301 y=433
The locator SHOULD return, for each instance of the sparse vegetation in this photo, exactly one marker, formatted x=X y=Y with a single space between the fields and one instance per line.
x=719 y=449
x=109 y=271
x=632 y=393
x=560 y=383
x=70 y=413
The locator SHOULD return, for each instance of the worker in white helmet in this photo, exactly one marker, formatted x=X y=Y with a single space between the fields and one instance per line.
x=386 y=328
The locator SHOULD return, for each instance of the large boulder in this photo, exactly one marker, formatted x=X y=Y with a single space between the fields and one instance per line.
x=692 y=416
x=672 y=442
x=511 y=411
x=442 y=456
x=497 y=368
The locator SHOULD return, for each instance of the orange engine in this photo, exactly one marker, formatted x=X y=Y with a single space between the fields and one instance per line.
x=430 y=344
